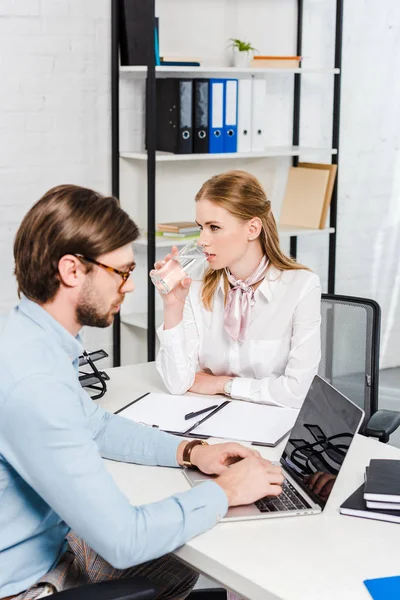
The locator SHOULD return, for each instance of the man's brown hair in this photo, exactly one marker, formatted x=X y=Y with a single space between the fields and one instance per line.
x=68 y=219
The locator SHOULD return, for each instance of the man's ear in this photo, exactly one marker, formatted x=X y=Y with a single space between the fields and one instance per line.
x=71 y=271
x=254 y=228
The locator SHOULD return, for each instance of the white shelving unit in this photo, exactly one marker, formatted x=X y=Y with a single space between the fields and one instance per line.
x=164 y=187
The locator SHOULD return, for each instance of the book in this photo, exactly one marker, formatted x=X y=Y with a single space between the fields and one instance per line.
x=329 y=189
x=178 y=63
x=383 y=505
x=177 y=58
x=275 y=62
x=383 y=480
x=384 y=588
x=355 y=506
x=303 y=203
x=178 y=227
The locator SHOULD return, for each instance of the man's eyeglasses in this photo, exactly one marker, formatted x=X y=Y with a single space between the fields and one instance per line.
x=124 y=274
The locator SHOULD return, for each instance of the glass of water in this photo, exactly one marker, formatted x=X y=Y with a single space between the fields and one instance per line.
x=183 y=265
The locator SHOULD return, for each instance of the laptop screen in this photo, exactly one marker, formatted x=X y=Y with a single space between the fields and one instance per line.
x=320 y=439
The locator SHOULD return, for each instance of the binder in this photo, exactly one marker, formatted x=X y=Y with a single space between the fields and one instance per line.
x=174 y=115
x=216 y=115
x=244 y=115
x=230 y=118
x=257 y=117
x=200 y=115
x=135 y=24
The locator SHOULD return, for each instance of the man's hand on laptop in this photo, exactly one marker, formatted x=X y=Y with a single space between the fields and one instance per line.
x=251 y=479
x=216 y=458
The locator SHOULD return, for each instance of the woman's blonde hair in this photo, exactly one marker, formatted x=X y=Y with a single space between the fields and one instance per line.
x=243 y=196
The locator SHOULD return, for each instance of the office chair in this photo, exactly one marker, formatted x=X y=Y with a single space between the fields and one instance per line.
x=350 y=335
x=133 y=588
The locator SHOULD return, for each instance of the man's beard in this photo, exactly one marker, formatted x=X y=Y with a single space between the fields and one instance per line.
x=87 y=312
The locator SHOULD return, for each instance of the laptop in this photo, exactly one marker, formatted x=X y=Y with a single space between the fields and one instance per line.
x=312 y=458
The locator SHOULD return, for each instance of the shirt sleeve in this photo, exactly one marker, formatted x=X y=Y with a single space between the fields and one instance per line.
x=122 y=439
x=291 y=388
x=49 y=441
x=178 y=358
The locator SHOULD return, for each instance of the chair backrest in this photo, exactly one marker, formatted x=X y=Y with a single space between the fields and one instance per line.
x=350 y=334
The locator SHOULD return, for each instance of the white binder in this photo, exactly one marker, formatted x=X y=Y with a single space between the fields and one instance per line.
x=244 y=115
x=258 y=115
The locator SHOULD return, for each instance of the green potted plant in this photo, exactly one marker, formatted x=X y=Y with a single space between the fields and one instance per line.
x=242 y=53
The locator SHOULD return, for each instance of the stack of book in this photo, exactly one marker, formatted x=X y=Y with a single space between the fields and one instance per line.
x=379 y=496
x=179 y=229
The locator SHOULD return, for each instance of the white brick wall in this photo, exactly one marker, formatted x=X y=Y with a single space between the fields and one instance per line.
x=54 y=112
x=55 y=128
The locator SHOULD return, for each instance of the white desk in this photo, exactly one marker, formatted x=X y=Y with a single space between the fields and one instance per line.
x=320 y=557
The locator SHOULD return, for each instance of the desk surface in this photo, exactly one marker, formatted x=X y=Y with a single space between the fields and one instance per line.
x=319 y=557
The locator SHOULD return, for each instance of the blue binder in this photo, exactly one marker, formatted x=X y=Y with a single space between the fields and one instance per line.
x=216 y=115
x=384 y=588
x=231 y=115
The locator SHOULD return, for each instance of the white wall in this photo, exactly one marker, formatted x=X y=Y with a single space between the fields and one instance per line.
x=55 y=120
x=54 y=112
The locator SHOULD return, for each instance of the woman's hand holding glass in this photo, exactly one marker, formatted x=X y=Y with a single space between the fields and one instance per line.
x=177 y=296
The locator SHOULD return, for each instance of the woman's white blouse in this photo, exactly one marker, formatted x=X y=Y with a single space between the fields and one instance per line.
x=280 y=356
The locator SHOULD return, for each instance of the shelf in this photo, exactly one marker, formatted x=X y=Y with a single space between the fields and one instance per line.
x=139 y=319
x=273 y=151
x=164 y=242
x=140 y=71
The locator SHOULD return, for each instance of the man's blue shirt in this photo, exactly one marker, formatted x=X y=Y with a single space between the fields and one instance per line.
x=52 y=477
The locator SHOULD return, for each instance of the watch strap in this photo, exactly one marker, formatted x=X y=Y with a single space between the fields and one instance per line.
x=187 y=451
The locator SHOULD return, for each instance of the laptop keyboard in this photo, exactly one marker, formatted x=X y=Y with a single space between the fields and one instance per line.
x=290 y=499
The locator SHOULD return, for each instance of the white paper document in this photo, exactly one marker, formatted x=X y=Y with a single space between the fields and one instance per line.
x=246 y=421
x=237 y=420
x=168 y=412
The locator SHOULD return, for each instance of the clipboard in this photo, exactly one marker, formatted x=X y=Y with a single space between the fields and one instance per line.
x=260 y=424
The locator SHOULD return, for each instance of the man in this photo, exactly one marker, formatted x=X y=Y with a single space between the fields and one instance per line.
x=63 y=521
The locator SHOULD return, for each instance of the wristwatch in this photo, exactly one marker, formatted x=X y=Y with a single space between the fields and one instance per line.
x=228 y=387
x=187 y=451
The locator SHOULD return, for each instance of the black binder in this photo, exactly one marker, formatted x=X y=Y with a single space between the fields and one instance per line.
x=136 y=27
x=174 y=115
x=200 y=115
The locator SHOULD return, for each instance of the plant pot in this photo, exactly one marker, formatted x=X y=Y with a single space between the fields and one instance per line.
x=241 y=60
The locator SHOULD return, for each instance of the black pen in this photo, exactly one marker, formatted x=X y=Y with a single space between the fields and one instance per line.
x=191 y=415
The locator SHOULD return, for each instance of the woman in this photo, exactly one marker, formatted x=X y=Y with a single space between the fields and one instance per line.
x=251 y=328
